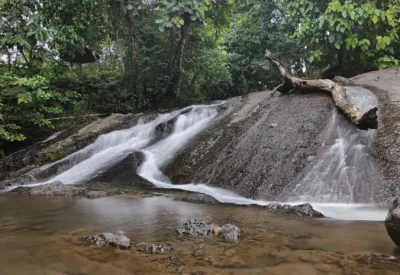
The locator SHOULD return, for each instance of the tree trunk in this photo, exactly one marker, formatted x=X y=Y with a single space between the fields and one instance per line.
x=368 y=120
x=345 y=64
x=133 y=74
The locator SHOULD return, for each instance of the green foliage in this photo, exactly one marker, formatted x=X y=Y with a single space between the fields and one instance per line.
x=26 y=102
x=368 y=29
x=260 y=25
x=176 y=13
x=161 y=54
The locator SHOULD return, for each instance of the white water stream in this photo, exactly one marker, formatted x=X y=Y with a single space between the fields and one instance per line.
x=110 y=148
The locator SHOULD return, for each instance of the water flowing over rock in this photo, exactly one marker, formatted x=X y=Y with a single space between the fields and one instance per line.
x=392 y=222
x=57 y=147
x=385 y=84
x=228 y=150
x=118 y=240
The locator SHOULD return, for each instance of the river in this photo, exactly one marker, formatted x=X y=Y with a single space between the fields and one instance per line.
x=43 y=236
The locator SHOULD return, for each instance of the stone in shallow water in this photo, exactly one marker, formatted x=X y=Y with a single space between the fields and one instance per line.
x=200 y=198
x=230 y=232
x=117 y=240
x=195 y=227
x=306 y=210
x=392 y=221
x=278 y=206
x=53 y=189
x=154 y=248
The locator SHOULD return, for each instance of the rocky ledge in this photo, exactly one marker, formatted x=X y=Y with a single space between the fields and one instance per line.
x=59 y=189
x=303 y=210
x=392 y=221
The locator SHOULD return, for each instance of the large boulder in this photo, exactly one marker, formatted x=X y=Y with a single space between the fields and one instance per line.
x=392 y=221
x=117 y=240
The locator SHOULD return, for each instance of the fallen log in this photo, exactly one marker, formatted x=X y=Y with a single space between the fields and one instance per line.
x=363 y=121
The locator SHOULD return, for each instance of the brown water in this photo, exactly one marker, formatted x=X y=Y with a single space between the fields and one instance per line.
x=42 y=236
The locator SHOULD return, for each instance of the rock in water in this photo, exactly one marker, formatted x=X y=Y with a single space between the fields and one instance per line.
x=118 y=240
x=53 y=189
x=153 y=248
x=195 y=227
x=306 y=210
x=200 y=198
x=392 y=221
x=230 y=232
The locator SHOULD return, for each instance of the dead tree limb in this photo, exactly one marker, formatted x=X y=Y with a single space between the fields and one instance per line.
x=368 y=120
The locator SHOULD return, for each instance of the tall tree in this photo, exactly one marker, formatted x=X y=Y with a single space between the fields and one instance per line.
x=362 y=33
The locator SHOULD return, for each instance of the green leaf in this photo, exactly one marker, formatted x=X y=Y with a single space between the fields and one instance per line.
x=25 y=98
x=332 y=38
x=26 y=9
x=375 y=19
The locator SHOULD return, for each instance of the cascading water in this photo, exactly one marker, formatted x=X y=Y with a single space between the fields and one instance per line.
x=344 y=172
x=340 y=164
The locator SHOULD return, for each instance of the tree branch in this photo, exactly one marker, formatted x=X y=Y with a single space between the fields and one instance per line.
x=368 y=120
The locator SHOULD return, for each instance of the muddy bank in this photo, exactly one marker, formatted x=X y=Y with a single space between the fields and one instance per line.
x=386 y=151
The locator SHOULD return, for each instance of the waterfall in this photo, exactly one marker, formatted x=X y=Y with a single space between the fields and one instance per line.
x=331 y=182
x=344 y=172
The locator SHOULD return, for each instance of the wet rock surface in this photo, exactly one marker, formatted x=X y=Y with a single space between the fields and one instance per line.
x=303 y=210
x=230 y=232
x=68 y=141
x=50 y=190
x=118 y=240
x=385 y=84
x=153 y=248
x=199 y=198
x=196 y=227
x=59 y=189
x=306 y=210
x=242 y=153
x=124 y=171
x=392 y=221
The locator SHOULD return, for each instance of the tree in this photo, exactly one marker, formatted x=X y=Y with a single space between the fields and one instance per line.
x=362 y=33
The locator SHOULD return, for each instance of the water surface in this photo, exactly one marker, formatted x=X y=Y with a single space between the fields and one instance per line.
x=42 y=236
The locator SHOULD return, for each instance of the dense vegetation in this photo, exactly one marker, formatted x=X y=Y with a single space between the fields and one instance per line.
x=75 y=57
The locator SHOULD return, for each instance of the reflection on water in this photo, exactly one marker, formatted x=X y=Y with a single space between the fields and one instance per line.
x=41 y=236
